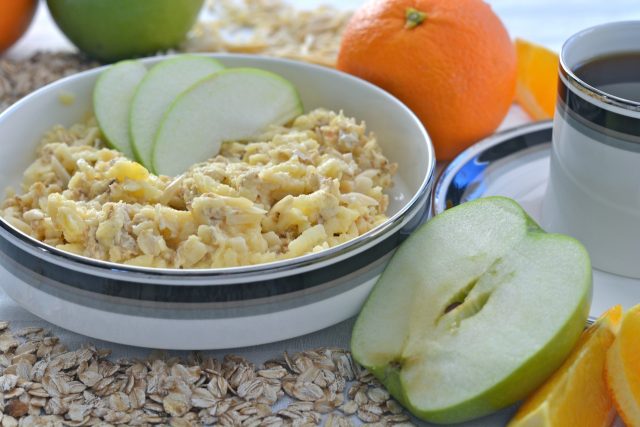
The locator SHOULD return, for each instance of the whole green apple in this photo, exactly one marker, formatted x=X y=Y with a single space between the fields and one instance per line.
x=475 y=310
x=110 y=30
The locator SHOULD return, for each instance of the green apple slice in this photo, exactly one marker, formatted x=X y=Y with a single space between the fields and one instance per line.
x=233 y=104
x=474 y=311
x=112 y=97
x=162 y=84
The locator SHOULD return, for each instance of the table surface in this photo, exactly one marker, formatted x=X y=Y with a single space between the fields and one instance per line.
x=548 y=22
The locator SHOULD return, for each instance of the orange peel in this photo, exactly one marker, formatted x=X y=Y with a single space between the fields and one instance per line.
x=537 y=83
x=576 y=394
x=623 y=369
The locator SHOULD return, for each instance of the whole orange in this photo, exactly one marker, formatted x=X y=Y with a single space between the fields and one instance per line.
x=15 y=17
x=451 y=61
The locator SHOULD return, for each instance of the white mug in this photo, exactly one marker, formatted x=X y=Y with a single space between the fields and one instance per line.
x=594 y=185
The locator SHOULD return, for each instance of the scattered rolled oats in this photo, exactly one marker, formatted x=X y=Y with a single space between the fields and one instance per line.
x=16 y=408
x=22 y=76
x=271 y=27
x=44 y=384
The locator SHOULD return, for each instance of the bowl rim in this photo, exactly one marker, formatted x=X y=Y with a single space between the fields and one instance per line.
x=292 y=265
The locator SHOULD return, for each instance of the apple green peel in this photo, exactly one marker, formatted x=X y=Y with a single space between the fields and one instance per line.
x=110 y=30
x=155 y=93
x=475 y=310
x=112 y=97
x=232 y=104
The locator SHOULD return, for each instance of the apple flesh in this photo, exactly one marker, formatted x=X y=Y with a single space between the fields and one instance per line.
x=110 y=30
x=159 y=88
x=112 y=97
x=475 y=310
x=231 y=105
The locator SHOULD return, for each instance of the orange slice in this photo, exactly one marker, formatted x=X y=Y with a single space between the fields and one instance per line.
x=623 y=368
x=537 y=83
x=576 y=394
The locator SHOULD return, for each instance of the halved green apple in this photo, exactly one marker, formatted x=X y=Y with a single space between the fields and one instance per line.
x=112 y=97
x=475 y=310
x=109 y=30
x=159 y=88
x=232 y=104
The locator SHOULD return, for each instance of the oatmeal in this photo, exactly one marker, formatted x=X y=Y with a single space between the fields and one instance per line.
x=294 y=190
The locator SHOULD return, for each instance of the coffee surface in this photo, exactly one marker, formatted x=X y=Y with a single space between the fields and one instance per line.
x=617 y=75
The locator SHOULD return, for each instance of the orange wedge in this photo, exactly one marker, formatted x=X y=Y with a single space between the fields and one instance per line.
x=623 y=368
x=576 y=394
x=537 y=83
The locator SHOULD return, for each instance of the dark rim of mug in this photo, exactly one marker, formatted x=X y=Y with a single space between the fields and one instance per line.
x=585 y=87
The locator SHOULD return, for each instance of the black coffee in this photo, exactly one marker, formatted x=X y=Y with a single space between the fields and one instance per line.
x=617 y=74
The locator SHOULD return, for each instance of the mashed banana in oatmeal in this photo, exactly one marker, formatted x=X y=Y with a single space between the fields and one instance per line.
x=294 y=190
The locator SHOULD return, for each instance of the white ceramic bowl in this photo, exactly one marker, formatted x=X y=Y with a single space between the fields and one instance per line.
x=213 y=308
